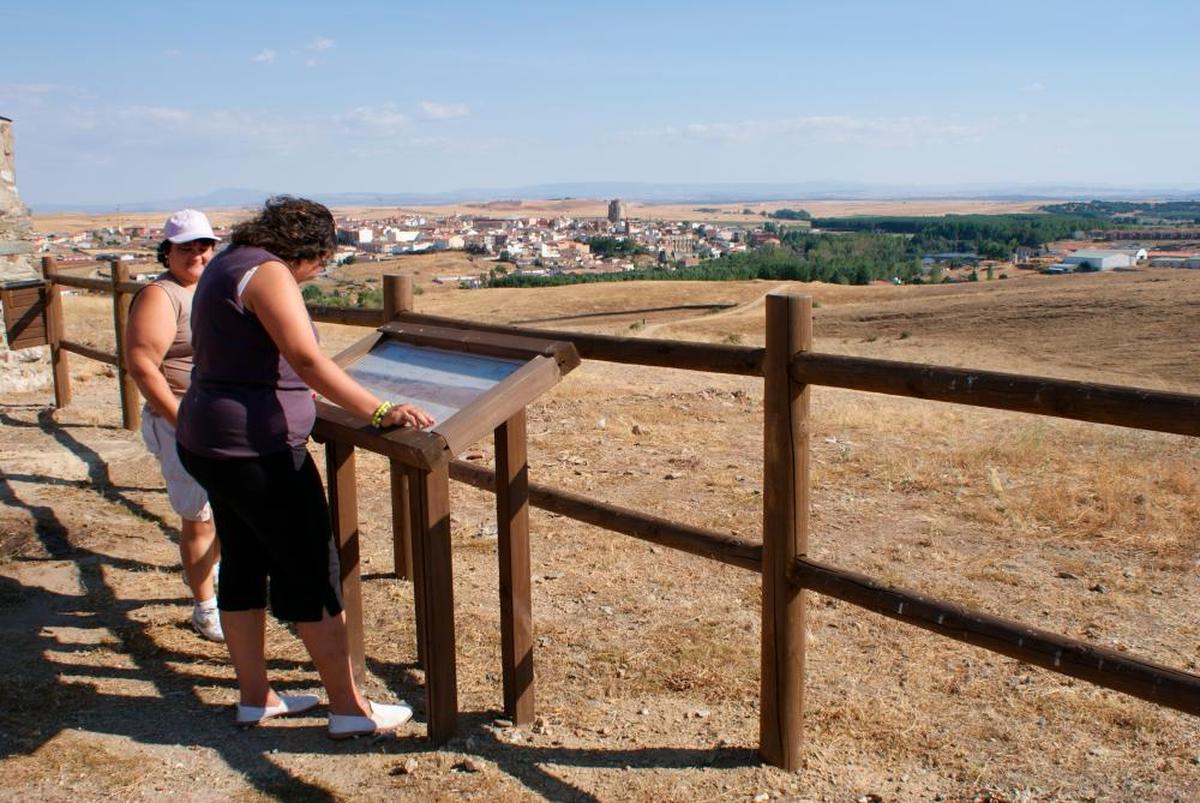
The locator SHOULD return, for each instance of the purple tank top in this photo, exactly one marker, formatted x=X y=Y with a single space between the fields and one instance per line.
x=244 y=400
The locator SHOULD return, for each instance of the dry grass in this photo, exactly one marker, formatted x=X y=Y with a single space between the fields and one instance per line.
x=74 y=223
x=647 y=657
x=1037 y=478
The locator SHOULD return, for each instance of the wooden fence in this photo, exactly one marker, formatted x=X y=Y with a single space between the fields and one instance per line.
x=789 y=368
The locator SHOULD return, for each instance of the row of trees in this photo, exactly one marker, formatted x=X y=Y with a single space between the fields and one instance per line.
x=850 y=259
x=790 y=214
x=365 y=298
x=621 y=247
x=1129 y=211
x=991 y=236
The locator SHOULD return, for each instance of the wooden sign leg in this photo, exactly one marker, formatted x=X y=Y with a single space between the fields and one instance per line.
x=343 y=512
x=401 y=522
x=434 y=588
x=403 y=489
x=516 y=607
x=414 y=507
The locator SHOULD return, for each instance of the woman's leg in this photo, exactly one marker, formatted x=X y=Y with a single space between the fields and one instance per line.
x=199 y=553
x=329 y=648
x=245 y=635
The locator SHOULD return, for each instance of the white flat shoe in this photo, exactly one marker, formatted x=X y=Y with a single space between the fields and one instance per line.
x=289 y=704
x=383 y=718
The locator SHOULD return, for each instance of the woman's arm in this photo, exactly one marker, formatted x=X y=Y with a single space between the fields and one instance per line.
x=148 y=335
x=273 y=295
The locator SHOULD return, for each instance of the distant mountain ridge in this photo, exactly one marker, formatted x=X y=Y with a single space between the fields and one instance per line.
x=746 y=192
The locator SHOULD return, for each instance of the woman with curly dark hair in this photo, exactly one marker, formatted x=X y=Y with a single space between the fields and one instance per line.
x=243 y=426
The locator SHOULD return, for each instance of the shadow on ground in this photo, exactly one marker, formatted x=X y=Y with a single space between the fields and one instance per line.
x=42 y=695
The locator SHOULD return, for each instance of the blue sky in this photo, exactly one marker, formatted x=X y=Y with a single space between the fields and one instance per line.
x=126 y=101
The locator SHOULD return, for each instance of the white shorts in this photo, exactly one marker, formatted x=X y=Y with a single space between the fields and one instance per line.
x=187 y=498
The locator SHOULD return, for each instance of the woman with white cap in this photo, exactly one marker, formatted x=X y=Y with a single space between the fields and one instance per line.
x=158 y=352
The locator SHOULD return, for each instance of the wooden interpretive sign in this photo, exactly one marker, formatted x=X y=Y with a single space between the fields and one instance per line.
x=475 y=384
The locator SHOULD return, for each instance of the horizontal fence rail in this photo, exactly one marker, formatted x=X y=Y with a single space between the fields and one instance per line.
x=714 y=358
x=84 y=350
x=100 y=285
x=1103 y=667
x=693 y=540
x=1160 y=411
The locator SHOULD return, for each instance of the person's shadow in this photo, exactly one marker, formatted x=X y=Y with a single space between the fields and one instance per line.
x=43 y=692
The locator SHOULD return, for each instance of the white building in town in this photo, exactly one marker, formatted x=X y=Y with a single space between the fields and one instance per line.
x=1088 y=259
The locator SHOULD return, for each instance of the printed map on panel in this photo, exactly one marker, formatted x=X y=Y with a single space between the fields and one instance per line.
x=439 y=381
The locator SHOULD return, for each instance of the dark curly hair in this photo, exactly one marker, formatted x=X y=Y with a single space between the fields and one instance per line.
x=290 y=228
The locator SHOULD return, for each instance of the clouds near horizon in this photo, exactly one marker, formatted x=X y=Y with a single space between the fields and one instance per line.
x=436 y=98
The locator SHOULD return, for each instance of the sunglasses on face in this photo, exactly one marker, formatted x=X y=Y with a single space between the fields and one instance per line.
x=195 y=246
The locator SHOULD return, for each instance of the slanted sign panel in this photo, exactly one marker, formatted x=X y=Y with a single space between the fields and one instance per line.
x=439 y=381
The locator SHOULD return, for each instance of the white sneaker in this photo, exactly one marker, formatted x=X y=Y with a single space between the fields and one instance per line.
x=383 y=718
x=207 y=622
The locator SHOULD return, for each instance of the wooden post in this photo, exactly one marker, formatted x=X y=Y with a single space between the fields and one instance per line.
x=785 y=529
x=516 y=606
x=397 y=298
x=54 y=325
x=343 y=514
x=130 y=414
x=433 y=585
x=397 y=294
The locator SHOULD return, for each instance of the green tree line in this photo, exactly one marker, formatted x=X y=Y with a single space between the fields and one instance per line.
x=368 y=298
x=1140 y=213
x=621 y=247
x=991 y=236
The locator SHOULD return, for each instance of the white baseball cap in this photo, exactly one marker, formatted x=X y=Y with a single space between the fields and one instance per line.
x=187 y=225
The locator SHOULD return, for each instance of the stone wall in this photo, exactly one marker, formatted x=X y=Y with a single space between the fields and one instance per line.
x=26 y=369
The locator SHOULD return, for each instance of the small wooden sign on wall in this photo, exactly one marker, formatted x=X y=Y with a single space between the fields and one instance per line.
x=25 y=315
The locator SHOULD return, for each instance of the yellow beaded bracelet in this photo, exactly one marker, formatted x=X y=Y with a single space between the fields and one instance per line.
x=380 y=412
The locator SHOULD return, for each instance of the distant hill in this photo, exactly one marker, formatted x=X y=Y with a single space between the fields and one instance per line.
x=233 y=198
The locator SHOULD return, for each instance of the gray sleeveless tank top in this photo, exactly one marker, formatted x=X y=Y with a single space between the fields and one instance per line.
x=177 y=362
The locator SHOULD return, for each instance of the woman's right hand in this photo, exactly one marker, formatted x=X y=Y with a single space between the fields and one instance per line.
x=408 y=415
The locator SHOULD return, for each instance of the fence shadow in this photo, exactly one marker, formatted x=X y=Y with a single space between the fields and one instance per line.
x=40 y=696
x=48 y=687
x=530 y=765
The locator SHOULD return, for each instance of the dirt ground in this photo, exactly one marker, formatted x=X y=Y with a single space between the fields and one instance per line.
x=646 y=659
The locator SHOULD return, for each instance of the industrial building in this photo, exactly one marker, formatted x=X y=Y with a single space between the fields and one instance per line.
x=1091 y=260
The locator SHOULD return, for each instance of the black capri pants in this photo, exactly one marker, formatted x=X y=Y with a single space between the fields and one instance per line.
x=272 y=522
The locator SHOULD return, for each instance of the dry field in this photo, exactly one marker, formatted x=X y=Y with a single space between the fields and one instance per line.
x=75 y=222
x=647 y=660
x=728 y=212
